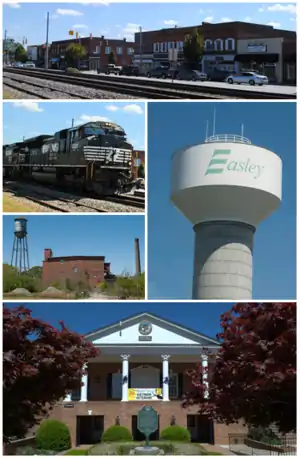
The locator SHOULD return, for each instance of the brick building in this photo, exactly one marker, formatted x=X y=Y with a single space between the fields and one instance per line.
x=98 y=50
x=138 y=158
x=221 y=47
x=85 y=270
x=143 y=360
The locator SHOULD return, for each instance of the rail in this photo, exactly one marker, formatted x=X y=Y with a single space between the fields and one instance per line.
x=243 y=445
x=232 y=138
x=153 y=89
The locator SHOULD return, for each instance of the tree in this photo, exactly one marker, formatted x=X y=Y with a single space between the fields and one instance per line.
x=193 y=49
x=74 y=53
x=36 y=271
x=20 y=53
x=141 y=171
x=13 y=279
x=111 y=58
x=41 y=364
x=254 y=378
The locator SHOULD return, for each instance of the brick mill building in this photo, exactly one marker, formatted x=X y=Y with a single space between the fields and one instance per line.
x=88 y=270
x=227 y=46
x=98 y=50
x=143 y=360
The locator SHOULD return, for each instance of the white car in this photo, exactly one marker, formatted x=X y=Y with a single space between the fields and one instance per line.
x=248 y=78
x=29 y=65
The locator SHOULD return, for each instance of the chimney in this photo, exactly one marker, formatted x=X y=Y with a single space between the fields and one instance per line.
x=137 y=257
x=47 y=254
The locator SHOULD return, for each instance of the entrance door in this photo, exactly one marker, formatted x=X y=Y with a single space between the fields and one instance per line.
x=89 y=429
x=201 y=428
x=145 y=378
x=139 y=436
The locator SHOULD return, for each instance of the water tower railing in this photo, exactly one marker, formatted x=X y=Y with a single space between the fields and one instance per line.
x=230 y=138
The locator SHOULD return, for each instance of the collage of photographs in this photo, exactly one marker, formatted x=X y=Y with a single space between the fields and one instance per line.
x=149 y=228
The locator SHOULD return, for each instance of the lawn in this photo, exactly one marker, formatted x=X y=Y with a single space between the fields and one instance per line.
x=11 y=205
x=170 y=448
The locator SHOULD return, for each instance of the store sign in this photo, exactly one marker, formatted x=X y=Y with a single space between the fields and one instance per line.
x=257 y=48
x=222 y=161
x=144 y=394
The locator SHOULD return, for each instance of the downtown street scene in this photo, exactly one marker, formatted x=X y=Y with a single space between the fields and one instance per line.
x=176 y=51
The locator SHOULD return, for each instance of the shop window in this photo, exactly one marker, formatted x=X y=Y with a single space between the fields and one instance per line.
x=230 y=44
x=208 y=45
x=218 y=44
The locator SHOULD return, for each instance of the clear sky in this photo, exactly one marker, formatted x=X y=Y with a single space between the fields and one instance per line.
x=171 y=238
x=123 y=20
x=29 y=118
x=111 y=236
x=86 y=317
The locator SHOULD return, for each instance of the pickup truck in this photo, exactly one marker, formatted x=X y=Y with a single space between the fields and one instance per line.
x=110 y=68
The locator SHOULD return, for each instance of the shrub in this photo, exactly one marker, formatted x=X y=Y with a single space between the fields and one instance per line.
x=72 y=70
x=116 y=433
x=175 y=433
x=264 y=434
x=77 y=452
x=53 y=435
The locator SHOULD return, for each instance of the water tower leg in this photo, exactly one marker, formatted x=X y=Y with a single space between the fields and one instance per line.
x=223 y=261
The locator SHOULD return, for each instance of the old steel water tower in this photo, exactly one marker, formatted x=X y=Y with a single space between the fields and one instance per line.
x=20 y=257
x=225 y=187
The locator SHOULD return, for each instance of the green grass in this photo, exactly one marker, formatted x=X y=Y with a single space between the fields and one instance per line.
x=11 y=205
x=77 y=452
x=171 y=448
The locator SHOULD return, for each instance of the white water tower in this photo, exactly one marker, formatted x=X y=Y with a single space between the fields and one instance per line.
x=225 y=187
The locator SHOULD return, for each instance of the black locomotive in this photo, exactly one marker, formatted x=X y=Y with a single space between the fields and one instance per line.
x=95 y=155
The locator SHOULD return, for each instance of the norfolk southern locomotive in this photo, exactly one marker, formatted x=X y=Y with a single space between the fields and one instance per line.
x=95 y=155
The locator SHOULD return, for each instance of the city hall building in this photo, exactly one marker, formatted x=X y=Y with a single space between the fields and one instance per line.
x=143 y=360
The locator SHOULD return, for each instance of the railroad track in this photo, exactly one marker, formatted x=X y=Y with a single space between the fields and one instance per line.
x=148 y=88
x=134 y=201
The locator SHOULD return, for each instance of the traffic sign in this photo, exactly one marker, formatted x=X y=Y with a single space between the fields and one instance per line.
x=71 y=32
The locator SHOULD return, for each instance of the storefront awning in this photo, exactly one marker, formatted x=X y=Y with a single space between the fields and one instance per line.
x=258 y=57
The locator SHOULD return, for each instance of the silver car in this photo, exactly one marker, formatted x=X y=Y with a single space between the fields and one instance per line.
x=251 y=78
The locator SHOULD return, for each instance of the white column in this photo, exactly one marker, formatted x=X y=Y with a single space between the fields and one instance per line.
x=125 y=377
x=84 y=387
x=205 y=375
x=165 y=359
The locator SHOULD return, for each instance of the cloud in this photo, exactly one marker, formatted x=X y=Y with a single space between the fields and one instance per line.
x=226 y=20
x=282 y=8
x=68 y=12
x=247 y=19
x=208 y=19
x=79 y=26
x=130 y=29
x=261 y=10
x=274 y=24
x=13 y=5
x=112 y=108
x=133 y=109
x=171 y=22
x=28 y=105
x=91 y=118
x=100 y=3
x=129 y=108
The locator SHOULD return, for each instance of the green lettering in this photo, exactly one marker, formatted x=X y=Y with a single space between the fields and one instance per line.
x=232 y=166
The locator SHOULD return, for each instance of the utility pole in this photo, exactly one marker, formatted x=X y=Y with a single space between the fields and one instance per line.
x=47 y=44
x=141 y=49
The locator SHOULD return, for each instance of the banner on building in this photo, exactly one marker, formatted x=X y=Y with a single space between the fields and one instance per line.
x=144 y=394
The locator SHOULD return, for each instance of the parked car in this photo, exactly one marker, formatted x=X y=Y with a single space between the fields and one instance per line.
x=219 y=75
x=130 y=70
x=159 y=72
x=251 y=78
x=110 y=68
x=29 y=65
x=17 y=64
x=190 y=75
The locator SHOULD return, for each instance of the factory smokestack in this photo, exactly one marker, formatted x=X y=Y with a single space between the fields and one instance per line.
x=137 y=257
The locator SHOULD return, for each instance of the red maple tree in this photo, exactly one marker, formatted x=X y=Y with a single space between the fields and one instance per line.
x=254 y=378
x=41 y=364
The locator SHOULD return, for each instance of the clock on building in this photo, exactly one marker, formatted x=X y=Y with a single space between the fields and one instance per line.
x=145 y=328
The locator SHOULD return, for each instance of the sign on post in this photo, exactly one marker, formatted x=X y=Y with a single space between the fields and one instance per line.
x=147 y=421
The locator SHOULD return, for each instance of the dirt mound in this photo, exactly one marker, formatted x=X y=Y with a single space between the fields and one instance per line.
x=20 y=292
x=52 y=291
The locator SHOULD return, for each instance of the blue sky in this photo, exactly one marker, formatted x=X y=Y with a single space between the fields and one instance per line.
x=34 y=118
x=86 y=317
x=171 y=238
x=123 y=20
x=111 y=236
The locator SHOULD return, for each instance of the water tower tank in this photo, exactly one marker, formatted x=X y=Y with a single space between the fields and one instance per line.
x=225 y=187
x=20 y=227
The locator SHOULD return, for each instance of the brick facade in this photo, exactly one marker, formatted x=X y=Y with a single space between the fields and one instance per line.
x=83 y=269
x=97 y=48
x=99 y=405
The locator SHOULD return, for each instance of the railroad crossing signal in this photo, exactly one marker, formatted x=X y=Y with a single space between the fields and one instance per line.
x=77 y=34
x=71 y=32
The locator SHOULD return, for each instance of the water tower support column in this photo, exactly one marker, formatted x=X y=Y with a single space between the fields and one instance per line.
x=223 y=261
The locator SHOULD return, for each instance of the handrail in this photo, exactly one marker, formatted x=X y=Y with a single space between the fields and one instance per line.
x=232 y=138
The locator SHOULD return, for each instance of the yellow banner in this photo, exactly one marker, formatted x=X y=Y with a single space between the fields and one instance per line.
x=144 y=394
